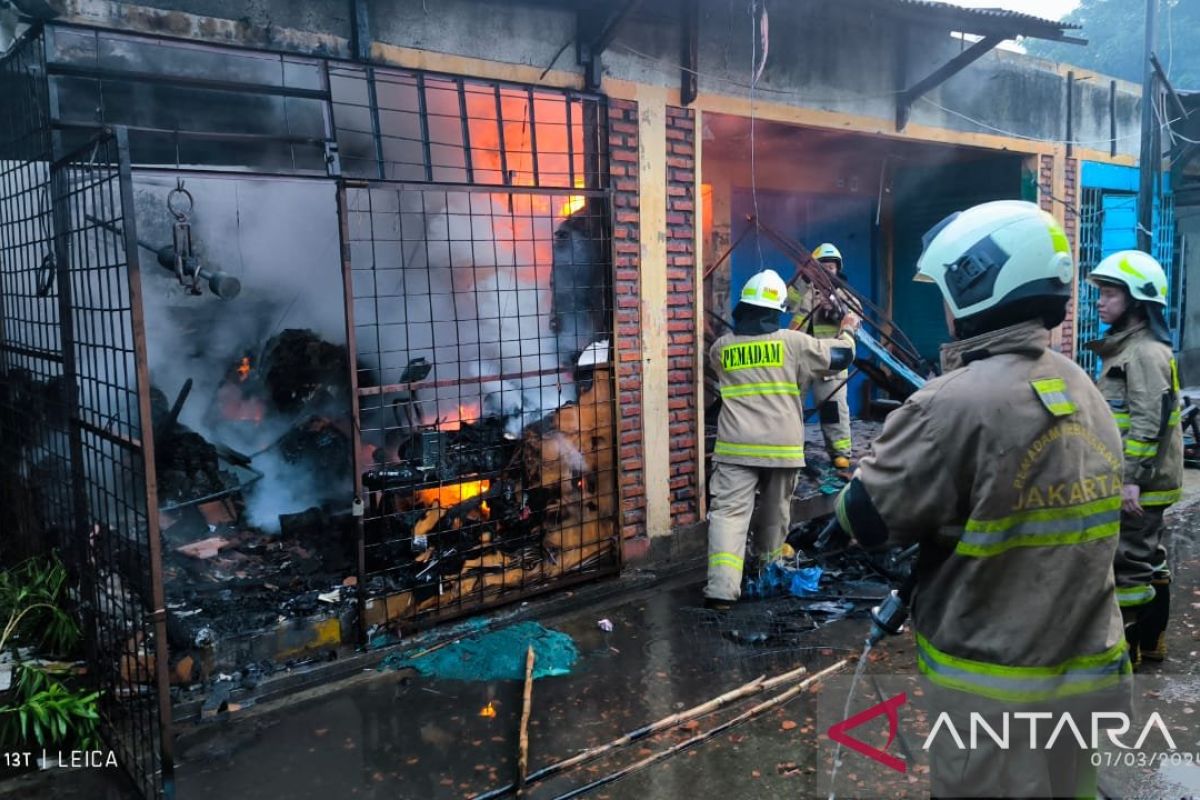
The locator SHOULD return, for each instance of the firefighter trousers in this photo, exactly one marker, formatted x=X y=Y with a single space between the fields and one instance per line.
x=830 y=395
x=732 y=513
x=1140 y=554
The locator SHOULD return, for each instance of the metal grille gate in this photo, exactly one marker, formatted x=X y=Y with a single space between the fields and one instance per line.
x=1100 y=236
x=1091 y=226
x=479 y=307
x=74 y=409
x=115 y=544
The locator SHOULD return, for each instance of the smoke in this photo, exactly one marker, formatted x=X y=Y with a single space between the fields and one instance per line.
x=471 y=283
x=285 y=488
x=485 y=287
x=280 y=239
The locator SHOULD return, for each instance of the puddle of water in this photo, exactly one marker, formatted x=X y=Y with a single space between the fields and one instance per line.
x=1185 y=776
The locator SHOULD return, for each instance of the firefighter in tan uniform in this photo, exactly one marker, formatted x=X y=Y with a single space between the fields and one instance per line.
x=1141 y=384
x=830 y=392
x=1007 y=470
x=760 y=431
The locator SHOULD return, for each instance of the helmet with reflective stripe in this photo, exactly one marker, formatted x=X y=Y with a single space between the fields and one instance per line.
x=827 y=252
x=996 y=255
x=766 y=290
x=1138 y=272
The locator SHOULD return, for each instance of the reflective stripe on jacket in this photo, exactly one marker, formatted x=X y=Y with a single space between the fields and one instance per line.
x=1137 y=371
x=761 y=378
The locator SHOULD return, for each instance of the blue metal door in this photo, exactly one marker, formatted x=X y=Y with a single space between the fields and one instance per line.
x=1108 y=224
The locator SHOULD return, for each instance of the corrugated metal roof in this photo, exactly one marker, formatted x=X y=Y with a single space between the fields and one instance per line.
x=986 y=19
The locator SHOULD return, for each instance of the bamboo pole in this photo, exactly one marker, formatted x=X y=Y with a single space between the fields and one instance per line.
x=523 y=737
x=745 y=716
x=755 y=686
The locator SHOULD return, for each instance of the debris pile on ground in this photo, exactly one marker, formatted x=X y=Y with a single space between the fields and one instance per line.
x=783 y=604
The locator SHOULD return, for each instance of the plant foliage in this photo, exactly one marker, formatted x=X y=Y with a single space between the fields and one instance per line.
x=39 y=706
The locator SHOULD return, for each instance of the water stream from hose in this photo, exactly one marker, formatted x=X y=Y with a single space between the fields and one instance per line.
x=837 y=753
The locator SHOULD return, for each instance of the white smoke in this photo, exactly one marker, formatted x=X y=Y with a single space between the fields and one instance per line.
x=464 y=283
x=280 y=239
x=467 y=287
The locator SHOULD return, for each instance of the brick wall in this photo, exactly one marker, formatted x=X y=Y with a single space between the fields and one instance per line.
x=1046 y=183
x=681 y=314
x=1071 y=226
x=623 y=166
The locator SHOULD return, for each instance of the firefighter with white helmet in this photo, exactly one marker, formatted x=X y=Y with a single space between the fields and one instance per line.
x=760 y=431
x=829 y=391
x=1006 y=470
x=1140 y=381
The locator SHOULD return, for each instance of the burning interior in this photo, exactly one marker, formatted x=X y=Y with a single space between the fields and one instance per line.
x=362 y=379
x=873 y=197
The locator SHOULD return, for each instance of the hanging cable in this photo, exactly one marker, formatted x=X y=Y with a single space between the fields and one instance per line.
x=755 y=71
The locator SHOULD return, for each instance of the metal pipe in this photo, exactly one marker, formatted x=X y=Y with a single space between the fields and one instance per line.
x=220 y=283
x=1145 y=201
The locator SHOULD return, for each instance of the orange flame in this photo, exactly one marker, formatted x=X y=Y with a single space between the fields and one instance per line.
x=452 y=495
x=243 y=369
x=574 y=203
x=465 y=414
x=488 y=711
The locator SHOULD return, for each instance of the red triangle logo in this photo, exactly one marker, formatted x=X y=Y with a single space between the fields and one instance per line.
x=890 y=707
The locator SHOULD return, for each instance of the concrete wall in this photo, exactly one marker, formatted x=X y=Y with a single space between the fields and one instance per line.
x=822 y=55
x=1188 y=222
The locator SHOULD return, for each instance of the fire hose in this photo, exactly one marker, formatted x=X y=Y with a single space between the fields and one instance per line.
x=887 y=618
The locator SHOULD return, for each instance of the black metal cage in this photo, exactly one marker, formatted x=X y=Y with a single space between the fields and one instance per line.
x=479 y=307
x=459 y=443
x=77 y=465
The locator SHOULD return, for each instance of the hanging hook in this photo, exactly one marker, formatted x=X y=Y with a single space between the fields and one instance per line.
x=179 y=189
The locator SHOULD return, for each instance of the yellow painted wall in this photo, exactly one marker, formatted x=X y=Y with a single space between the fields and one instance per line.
x=652 y=187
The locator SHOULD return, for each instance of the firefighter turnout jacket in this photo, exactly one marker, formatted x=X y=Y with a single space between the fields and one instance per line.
x=761 y=378
x=1007 y=469
x=1140 y=381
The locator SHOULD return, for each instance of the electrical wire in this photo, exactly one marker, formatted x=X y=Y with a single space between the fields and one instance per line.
x=1026 y=137
x=754 y=75
x=1170 y=37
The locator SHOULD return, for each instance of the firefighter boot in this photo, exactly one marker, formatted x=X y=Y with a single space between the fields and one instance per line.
x=1152 y=623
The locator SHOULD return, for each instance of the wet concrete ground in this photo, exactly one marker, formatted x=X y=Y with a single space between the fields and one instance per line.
x=398 y=735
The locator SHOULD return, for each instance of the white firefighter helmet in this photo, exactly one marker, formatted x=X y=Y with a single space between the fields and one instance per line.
x=1138 y=272
x=766 y=290
x=996 y=254
x=827 y=252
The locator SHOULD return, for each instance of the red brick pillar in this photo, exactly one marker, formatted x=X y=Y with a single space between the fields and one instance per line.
x=682 y=401
x=1071 y=226
x=1046 y=183
x=623 y=167
x=1047 y=200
